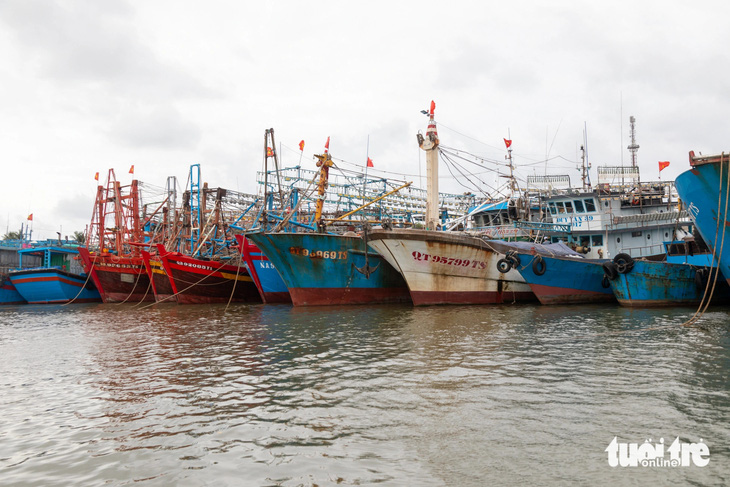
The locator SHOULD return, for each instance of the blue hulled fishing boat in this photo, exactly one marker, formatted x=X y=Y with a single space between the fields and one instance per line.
x=58 y=280
x=328 y=269
x=650 y=283
x=557 y=274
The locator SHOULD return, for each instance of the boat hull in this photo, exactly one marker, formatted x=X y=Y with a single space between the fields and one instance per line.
x=653 y=284
x=8 y=293
x=118 y=279
x=267 y=279
x=322 y=269
x=47 y=285
x=565 y=280
x=196 y=281
x=446 y=268
x=703 y=191
x=159 y=279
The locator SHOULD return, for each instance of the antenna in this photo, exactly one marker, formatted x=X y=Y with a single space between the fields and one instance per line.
x=633 y=146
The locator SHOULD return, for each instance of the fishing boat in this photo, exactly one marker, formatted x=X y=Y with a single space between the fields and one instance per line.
x=645 y=283
x=705 y=192
x=328 y=269
x=8 y=293
x=446 y=267
x=116 y=267
x=599 y=224
x=59 y=280
x=206 y=265
x=267 y=279
x=688 y=274
x=199 y=281
x=558 y=274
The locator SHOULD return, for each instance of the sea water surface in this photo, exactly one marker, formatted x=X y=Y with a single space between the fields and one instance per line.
x=392 y=395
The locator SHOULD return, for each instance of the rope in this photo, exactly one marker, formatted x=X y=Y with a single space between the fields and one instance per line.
x=238 y=270
x=86 y=282
x=183 y=290
x=714 y=270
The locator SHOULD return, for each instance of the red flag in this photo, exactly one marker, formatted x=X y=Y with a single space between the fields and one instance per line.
x=30 y=217
x=96 y=176
x=663 y=165
x=301 y=145
x=507 y=142
x=269 y=152
x=327 y=146
x=131 y=169
x=370 y=162
x=433 y=107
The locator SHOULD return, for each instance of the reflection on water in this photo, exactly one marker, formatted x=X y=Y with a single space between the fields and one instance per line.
x=275 y=395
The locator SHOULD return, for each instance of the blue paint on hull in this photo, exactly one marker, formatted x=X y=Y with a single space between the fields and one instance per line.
x=8 y=293
x=702 y=192
x=651 y=283
x=321 y=269
x=566 y=280
x=48 y=285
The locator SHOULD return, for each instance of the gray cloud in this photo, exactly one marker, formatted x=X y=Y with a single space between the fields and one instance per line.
x=84 y=44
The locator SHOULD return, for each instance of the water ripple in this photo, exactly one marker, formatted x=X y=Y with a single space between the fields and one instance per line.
x=272 y=395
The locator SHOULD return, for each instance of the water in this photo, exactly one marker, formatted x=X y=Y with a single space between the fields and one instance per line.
x=391 y=395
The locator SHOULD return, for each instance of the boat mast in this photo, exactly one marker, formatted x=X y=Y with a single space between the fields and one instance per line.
x=430 y=144
x=324 y=163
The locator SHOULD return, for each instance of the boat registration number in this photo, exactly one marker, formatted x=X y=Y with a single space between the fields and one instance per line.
x=319 y=254
x=439 y=259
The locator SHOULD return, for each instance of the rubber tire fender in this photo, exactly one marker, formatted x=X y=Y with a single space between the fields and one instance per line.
x=624 y=263
x=539 y=266
x=701 y=277
x=609 y=270
x=504 y=266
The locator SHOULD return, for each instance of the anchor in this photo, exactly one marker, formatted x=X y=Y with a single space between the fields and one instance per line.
x=367 y=269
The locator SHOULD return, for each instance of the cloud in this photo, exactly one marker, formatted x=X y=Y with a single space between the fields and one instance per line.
x=91 y=45
x=154 y=127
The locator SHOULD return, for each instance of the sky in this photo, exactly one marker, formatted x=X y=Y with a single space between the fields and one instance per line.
x=163 y=84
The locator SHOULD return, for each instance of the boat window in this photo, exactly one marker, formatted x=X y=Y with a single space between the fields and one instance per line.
x=618 y=239
x=578 y=206
x=551 y=206
x=636 y=234
x=569 y=207
x=597 y=240
x=590 y=206
x=561 y=207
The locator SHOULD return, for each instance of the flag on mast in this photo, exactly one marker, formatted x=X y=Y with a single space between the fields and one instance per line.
x=30 y=217
x=663 y=165
x=327 y=146
x=131 y=169
x=370 y=162
x=96 y=176
x=301 y=145
x=508 y=142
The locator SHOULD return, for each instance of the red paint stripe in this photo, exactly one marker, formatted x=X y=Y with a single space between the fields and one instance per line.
x=24 y=280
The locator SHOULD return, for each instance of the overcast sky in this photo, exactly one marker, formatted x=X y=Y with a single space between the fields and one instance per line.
x=86 y=86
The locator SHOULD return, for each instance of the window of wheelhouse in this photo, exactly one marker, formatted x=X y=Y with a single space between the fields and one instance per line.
x=590 y=206
x=569 y=207
x=551 y=207
x=596 y=240
x=561 y=206
x=578 y=206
